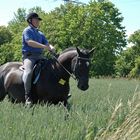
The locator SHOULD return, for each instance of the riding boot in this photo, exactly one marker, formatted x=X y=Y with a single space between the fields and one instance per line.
x=28 y=99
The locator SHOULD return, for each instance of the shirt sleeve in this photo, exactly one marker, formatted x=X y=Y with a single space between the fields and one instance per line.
x=44 y=39
x=28 y=35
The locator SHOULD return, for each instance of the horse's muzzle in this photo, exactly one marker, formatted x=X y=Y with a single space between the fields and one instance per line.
x=83 y=86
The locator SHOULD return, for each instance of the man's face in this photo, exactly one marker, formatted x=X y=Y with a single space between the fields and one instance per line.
x=35 y=22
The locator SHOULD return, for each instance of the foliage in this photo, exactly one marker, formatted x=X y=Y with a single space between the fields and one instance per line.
x=5 y=35
x=94 y=25
x=135 y=72
x=135 y=39
x=6 y=53
x=97 y=24
x=125 y=63
x=20 y=15
x=128 y=63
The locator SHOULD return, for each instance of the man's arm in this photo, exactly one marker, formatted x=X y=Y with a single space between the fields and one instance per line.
x=39 y=45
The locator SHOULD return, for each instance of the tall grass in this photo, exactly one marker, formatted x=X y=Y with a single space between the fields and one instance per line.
x=130 y=127
x=102 y=112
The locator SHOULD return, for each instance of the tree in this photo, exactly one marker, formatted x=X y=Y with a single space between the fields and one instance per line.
x=95 y=25
x=128 y=63
x=135 y=40
x=125 y=63
x=135 y=72
x=20 y=16
x=6 y=53
x=5 y=35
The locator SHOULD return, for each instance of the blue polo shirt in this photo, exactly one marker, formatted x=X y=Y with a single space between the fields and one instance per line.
x=31 y=33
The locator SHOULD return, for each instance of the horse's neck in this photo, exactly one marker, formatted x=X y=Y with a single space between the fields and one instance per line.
x=67 y=57
x=65 y=60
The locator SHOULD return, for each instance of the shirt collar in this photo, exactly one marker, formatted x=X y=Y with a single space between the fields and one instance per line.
x=36 y=29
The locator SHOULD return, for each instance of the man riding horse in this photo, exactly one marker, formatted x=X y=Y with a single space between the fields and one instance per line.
x=33 y=44
x=50 y=84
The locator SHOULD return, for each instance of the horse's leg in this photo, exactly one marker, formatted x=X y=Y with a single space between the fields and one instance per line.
x=14 y=86
x=11 y=99
x=2 y=90
x=65 y=103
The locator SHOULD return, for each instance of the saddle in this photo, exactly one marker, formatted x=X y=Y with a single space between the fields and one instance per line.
x=39 y=66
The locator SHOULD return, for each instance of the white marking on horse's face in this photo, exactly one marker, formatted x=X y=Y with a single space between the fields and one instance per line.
x=87 y=63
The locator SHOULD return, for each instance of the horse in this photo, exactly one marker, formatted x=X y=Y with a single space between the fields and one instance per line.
x=52 y=85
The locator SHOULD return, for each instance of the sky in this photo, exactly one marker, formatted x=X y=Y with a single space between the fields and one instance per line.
x=130 y=10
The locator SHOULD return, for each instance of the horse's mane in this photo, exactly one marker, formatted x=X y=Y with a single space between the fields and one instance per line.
x=85 y=51
x=68 y=49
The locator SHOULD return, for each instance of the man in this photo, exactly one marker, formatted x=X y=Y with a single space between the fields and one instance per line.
x=33 y=44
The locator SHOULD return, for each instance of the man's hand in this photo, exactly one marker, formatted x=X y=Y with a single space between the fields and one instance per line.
x=51 y=48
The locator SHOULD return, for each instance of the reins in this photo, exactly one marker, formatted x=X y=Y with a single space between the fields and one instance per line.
x=82 y=58
x=54 y=56
x=72 y=75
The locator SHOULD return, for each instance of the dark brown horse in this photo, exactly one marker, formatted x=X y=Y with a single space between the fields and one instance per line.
x=53 y=83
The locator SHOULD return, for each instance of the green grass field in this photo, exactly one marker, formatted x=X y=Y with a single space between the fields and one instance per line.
x=100 y=110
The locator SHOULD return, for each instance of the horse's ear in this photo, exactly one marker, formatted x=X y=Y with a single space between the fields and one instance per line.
x=78 y=50
x=92 y=51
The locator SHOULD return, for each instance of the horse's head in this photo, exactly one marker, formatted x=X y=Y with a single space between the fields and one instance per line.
x=80 y=68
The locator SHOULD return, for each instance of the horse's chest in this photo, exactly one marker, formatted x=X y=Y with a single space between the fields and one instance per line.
x=53 y=91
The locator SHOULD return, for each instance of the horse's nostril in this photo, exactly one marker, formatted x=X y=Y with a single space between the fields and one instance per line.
x=83 y=87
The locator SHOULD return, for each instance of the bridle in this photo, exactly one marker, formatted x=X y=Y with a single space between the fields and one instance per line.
x=73 y=75
x=79 y=58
